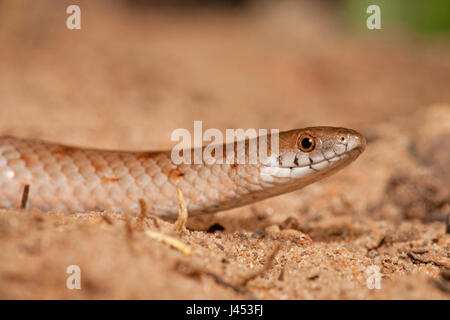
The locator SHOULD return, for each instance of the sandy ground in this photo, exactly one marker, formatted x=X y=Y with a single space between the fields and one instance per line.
x=132 y=75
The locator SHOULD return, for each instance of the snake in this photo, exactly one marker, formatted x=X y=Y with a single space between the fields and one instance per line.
x=78 y=180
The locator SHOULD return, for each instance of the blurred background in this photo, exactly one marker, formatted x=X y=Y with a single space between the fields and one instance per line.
x=139 y=69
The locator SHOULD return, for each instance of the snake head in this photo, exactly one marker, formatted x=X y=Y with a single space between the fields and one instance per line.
x=314 y=152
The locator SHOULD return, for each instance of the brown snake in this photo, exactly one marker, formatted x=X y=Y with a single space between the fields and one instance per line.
x=81 y=180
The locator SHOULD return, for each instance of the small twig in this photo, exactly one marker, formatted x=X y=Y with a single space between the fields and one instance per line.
x=219 y=280
x=419 y=251
x=380 y=243
x=155 y=221
x=195 y=272
x=128 y=228
x=281 y=276
x=416 y=258
x=180 y=224
x=107 y=218
x=175 y=243
x=142 y=213
x=129 y=235
x=143 y=209
x=26 y=191
x=267 y=265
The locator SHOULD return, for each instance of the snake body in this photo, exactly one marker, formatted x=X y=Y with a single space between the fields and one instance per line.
x=75 y=179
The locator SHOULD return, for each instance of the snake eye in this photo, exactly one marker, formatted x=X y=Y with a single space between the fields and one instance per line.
x=306 y=143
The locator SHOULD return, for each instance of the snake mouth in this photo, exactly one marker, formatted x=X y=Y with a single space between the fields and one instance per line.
x=338 y=159
x=353 y=154
x=270 y=173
